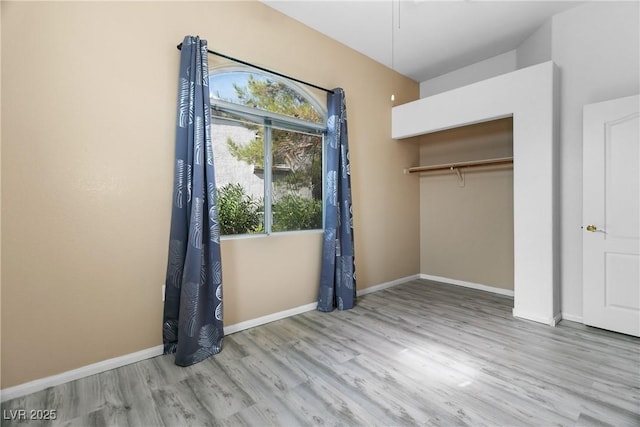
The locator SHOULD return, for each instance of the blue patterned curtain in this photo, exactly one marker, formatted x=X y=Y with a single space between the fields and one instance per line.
x=192 y=327
x=337 y=276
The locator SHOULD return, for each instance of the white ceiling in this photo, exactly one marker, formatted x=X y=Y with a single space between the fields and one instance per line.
x=423 y=39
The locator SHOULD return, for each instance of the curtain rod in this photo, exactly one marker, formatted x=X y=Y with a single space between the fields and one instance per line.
x=239 y=61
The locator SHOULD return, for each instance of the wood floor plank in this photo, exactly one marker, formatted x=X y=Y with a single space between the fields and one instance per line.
x=271 y=411
x=421 y=353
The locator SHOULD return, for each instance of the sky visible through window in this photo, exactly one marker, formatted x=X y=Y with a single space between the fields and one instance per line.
x=263 y=92
x=221 y=85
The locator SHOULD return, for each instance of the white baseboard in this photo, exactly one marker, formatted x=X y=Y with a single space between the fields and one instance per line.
x=551 y=321
x=252 y=323
x=466 y=284
x=572 y=318
x=85 y=371
x=106 y=365
x=386 y=285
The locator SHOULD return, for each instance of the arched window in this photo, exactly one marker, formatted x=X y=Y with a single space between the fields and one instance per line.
x=268 y=143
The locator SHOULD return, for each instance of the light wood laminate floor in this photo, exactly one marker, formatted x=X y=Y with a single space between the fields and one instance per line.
x=421 y=353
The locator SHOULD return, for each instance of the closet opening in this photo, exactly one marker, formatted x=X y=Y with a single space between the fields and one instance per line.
x=466 y=213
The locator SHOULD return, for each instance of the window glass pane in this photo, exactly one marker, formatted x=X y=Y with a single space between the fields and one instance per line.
x=296 y=181
x=263 y=92
x=280 y=190
x=238 y=149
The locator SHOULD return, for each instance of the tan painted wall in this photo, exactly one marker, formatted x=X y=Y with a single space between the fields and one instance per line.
x=88 y=114
x=466 y=233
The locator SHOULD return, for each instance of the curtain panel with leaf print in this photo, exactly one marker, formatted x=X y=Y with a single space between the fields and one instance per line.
x=337 y=276
x=192 y=323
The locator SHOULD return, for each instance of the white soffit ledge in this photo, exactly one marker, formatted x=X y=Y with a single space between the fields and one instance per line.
x=494 y=98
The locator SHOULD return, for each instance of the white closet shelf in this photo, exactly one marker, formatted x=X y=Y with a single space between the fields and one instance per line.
x=458 y=165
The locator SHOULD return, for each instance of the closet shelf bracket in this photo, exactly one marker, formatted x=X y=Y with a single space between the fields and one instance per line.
x=460 y=176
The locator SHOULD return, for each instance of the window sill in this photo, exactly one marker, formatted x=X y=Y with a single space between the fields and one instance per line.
x=262 y=235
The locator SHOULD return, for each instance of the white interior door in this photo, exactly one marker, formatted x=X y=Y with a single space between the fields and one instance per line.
x=611 y=215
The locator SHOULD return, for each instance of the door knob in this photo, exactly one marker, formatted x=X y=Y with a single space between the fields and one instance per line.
x=593 y=229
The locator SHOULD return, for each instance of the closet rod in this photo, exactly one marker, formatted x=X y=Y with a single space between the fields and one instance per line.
x=240 y=61
x=451 y=166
